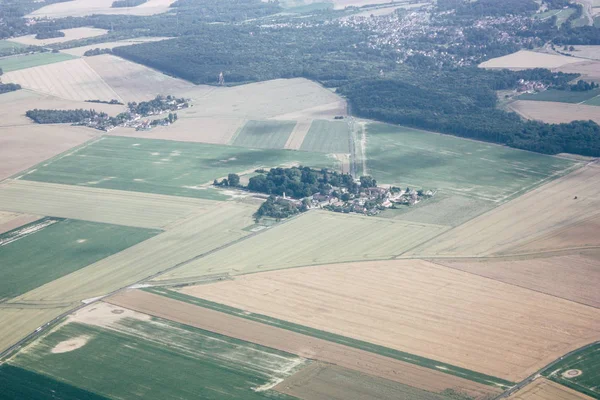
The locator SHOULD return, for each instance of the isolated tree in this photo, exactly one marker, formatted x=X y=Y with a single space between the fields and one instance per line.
x=345 y=197
x=233 y=179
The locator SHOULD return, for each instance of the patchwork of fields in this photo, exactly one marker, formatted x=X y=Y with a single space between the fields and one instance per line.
x=264 y=134
x=543 y=389
x=80 y=8
x=14 y=63
x=579 y=371
x=327 y=137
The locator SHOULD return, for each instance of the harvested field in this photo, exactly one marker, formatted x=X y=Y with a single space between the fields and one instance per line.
x=579 y=371
x=327 y=137
x=329 y=382
x=543 y=389
x=589 y=52
x=162 y=166
x=572 y=277
x=61 y=247
x=380 y=11
x=264 y=134
x=295 y=343
x=443 y=314
x=134 y=82
x=554 y=112
x=12 y=220
x=14 y=105
x=72 y=80
x=589 y=70
x=200 y=130
x=540 y=212
x=525 y=59
x=200 y=364
x=23 y=147
x=298 y=134
x=316 y=237
x=579 y=235
x=70 y=34
x=281 y=99
x=18 y=322
x=81 y=8
x=118 y=207
x=192 y=238
x=14 y=63
x=80 y=51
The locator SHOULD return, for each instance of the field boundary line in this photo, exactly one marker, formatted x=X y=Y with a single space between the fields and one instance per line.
x=102 y=80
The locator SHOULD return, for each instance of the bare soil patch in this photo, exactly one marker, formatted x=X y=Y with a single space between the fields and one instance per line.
x=419 y=308
x=26 y=146
x=532 y=216
x=12 y=220
x=72 y=80
x=298 y=134
x=555 y=112
x=70 y=345
x=70 y=34
x=573 y=277
x=134 y=82
x=80 y=8
x=543 y=389
x=295 y=343
x=525 y=59
x=104 y=315
x=572 y=373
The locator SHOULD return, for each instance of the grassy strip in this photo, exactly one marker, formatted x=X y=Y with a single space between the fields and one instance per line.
x=358 y=344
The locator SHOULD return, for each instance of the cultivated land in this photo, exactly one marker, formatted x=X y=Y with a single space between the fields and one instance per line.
x=563 y=96
x=14 y=63
x=589 y=52
x=525 y=59
x=264 y=134
x=442 y=314
x=327 y=137
x=98 y=344
x=574 y=277
x=297 y=343
x=7 y=44
x=298 y=134
x=328 y=382
x=134 y=82
x=160 y=166
x=579 y=371
x=80 y=51
x=589 y=70
x=14 y=105
x=70 y=34
x=555 y=112
x=13 y=220
x=542 y=211
x=543 y=389
x=316 y=237
x=25 y=146
x=71 y=80
x=200 y=234
x=143 y=210
x=60 y=249
x=80 y=8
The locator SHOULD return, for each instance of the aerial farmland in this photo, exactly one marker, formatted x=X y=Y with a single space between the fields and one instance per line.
x=299 y=200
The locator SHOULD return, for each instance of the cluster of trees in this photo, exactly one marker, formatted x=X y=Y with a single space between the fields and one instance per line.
x=60 y=116
x=113 y=101
x=232 y=180
x=97 y=52
x=580 y=86
x=50 y=35
x=8 y=87
x=156 y=105
x=278 y=208
x=127 y=3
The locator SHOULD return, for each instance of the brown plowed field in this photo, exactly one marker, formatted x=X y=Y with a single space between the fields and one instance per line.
x=295 y=343
x=533 y=215
x=420 y=308
x=555 y=112
x=573 y=277
x=543 y=389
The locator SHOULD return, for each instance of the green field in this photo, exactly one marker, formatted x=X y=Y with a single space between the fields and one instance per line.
x=7 y=45
x=264 y=134
x=327 y=137
x=18 y=384
x=594 y=101
x=563 y=96
x=14 y=63
x=156 y=360
x=561 y=15
x=409 y=157
x=588 y=362
x=331 y=337
x=58 y=249
x=162 y=166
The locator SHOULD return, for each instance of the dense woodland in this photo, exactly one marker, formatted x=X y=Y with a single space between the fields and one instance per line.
x=50 y=35
x=8 y=87
x=60 y=116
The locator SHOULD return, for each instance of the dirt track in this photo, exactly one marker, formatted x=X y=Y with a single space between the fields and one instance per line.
x=295 y=343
